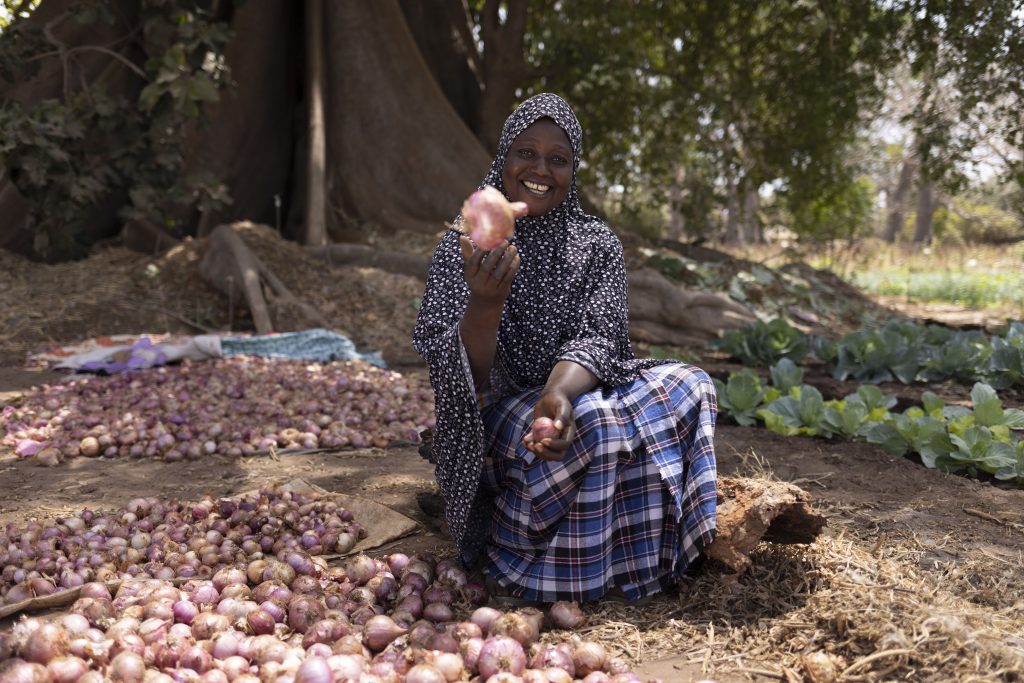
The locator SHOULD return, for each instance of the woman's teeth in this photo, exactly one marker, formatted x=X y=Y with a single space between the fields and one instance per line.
x=536 y=188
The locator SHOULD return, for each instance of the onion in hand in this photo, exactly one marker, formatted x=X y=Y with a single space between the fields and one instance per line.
x=490 y=217
x=544 y=428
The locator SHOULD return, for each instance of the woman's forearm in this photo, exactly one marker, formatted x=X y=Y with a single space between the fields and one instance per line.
x=570 y=379
x=479 y=332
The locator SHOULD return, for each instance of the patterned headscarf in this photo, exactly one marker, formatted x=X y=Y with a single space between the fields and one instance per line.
x=567 y=302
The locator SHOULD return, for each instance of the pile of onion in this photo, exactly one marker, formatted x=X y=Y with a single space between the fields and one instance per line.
x=389 y=620
x=234 y=406
x=274 y=532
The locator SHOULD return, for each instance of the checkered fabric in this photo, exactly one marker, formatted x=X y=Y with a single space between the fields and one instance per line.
x=632 y=501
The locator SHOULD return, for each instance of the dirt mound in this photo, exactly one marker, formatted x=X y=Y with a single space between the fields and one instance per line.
x=118 y=291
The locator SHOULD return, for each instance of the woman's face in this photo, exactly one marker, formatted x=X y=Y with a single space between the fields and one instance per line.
x=538 y=168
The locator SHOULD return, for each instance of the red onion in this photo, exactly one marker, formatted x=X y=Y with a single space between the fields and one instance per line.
x=96 y=610
x=260 y=622
x=303 y=612
x=465 y=630
x=470 y=650
x=397 y=562
x=379 y=631
x=490 y=218
x=438 y=593
x=566 y=615
x=500 y=653
x=475 y=593
x=346 y=667
x=127 y=667
x=350 y=644
x=588 y=657
x=234 y=666
x=74 y=623
x=20 y=671
x=616 y=665
x=314 y=670
x=45 y=643
x=424 y=673
x=360 y=569
x=207 y=624
x=226 y=644
x=437 y=612
x=184 y=611
x=197 y=659
x=66 y=669
x=516 y=625
x=553 y=656
x=484 y=617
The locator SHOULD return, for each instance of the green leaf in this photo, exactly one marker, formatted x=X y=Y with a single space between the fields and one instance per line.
x=786 y=374
x=888 y=437
x=741 y=396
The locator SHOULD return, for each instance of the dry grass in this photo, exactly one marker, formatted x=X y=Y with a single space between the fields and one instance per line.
x=874 y=604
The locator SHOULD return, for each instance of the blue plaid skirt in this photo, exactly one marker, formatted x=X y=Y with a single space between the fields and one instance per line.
x=633 y=500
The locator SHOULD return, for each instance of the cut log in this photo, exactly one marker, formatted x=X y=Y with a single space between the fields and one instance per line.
x=661 y=312
x=754 y=510
x=231 y=267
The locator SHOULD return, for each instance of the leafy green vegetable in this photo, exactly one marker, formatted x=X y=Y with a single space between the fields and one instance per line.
x=802 y=412
x=785 y=375
x=762 y=343
x=741 y=396
x=989 y=411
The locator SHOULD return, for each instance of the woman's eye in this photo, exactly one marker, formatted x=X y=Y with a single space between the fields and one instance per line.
x=526 y=153
x=560 y=160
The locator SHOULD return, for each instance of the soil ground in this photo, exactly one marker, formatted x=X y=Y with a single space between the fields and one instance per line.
x=918 y=576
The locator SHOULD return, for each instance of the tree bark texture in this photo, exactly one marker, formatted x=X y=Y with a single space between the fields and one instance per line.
x=443 y=32
x=898 y=201
x=752 y=510
x=925 y=210
x=316 y=216
x=401 y=156
x=398 y=156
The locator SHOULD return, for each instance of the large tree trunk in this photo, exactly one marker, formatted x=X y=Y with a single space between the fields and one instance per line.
x=401 y=156
x=898 y=200
x=751 y=221
x=923 y=230
x=733 y=225
x=676 y=223
x=443 y=30
x=397 y=154
x=249 y=142
x=316 y=187
x=504 y=65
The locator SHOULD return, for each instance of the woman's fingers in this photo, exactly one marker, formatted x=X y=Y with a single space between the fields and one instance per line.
x=507 y=267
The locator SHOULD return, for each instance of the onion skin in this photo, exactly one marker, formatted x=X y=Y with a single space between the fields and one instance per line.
x=490 y=217
x=20 y=671
x=500 y=653
x=544 y=428
x=566 y=615
x=314 y=670
x=379 y=631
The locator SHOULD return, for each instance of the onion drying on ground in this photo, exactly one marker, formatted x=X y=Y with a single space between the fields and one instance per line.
x=259 y=619
x=234 y=406
x=271 y=534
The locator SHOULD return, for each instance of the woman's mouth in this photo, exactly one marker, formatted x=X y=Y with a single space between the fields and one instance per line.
x=536 y=189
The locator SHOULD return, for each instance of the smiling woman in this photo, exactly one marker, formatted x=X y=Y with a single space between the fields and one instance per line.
x=571 y=470
x=538 y=168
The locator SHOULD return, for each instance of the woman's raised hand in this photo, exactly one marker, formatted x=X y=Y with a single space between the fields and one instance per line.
x=489 y=274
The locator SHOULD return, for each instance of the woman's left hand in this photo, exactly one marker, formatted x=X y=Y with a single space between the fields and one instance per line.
x=556 y=406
